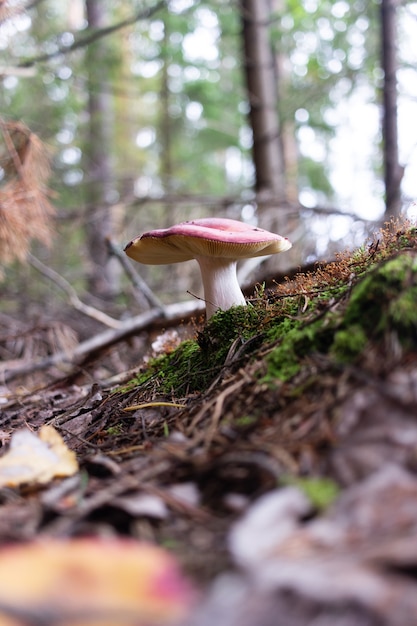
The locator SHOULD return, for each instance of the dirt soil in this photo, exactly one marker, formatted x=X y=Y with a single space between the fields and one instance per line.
x=288 y=494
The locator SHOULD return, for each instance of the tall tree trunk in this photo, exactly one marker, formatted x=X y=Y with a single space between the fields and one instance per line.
x=100 y=185
x=289 y=145
x=262 y=88
x=393 y=172
x=165 y=124
x=262 y=81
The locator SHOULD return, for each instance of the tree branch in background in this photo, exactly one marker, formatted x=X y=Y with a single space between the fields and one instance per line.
x=19 y=72
x=141 y=288
x=74 y=300
x=212 y=203
x=94 y=35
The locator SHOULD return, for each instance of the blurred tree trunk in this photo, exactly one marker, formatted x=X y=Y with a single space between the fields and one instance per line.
x=175 y=273
x=165 y=125
x=263 y=83
x=393 y=171
x=103 y=274
x=262 y=90
x=289 y=146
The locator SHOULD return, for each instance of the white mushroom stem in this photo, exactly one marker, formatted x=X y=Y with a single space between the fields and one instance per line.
x=221 y=287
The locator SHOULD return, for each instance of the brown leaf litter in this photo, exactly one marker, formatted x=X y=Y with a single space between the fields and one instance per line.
x=192 y=477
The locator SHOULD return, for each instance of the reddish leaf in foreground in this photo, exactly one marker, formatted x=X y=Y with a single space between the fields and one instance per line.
x=91 y=582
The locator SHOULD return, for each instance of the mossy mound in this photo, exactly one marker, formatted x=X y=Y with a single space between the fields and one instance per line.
x=386 y=300
x=381 y=306
x=195 y=363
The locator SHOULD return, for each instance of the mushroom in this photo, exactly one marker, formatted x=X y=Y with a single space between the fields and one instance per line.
x=216 y=244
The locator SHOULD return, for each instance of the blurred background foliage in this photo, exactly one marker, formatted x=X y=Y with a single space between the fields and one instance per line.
x=144 y=107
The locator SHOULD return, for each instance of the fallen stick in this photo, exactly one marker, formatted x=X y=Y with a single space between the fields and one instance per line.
x=172 y=312
x=74 y=300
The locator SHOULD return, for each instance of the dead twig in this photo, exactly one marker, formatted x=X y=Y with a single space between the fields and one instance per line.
x=93 y=35
x=74 y=300
x=69 y=359
x=141 y=288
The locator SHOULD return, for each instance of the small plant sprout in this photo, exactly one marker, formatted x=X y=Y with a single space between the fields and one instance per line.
x=216 y=244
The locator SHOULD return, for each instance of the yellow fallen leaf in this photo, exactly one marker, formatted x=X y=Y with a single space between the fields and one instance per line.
x=91 y=582
x=36 y=458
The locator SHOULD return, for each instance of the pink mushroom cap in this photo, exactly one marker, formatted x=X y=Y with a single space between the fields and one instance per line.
x=207 y=237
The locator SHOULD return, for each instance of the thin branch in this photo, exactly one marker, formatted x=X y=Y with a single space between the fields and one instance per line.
x=20 y=72
x=94 y=35
x=223 y=202
x=173 y=313
x=74 y=300
x=140 y=286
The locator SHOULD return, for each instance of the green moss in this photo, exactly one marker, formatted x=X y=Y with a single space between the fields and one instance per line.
x=386 y=299
x=402 y=315
x=349 y=343
x=280 y=328
x=181 y=371
x=282 y=363
x=245 y=421
x=286 y=359
x=225 y=326
x=115 y=430
x=195 y=363
x=320 y=491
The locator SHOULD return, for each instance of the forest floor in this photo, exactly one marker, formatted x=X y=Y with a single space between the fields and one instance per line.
x=273 y=453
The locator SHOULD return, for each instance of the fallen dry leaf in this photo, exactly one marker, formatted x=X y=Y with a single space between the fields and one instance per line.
x=36 y=458
x=91 y=582
x=362 y=552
